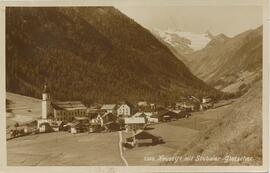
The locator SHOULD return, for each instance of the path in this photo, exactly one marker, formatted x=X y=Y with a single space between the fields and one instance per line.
x=120 y=148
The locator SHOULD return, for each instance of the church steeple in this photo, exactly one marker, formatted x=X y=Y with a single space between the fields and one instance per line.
x=45 y=88
x=46 y=102
x=45 y=93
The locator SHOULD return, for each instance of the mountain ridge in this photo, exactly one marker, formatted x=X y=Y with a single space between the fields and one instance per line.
x=108 y=62
x=223 y=63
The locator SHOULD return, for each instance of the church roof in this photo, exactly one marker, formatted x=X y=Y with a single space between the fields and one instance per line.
x=68 y=105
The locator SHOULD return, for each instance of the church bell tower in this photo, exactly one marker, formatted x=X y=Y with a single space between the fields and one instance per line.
x=46 y=103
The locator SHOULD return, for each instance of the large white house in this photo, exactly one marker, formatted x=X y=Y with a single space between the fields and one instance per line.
x=124 y=109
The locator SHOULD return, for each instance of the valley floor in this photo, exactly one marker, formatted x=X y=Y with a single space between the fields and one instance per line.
x=233 y=128
x=62 y=148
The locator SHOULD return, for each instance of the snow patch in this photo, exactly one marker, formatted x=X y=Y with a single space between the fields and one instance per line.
x=198 y=41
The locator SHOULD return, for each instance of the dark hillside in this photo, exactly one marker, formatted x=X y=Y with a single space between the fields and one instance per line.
x=91 y=54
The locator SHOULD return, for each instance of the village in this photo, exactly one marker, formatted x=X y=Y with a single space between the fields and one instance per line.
x=74 y=117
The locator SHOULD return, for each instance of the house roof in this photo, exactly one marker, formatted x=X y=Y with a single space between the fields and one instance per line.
x=144 y=135
x=133 y=120
x=44 y=123
x=142 y=114
x=126 y=103
x=56 y=123
x=108 y=106
x=142 y=103
x=68 y=105
x=176 y=111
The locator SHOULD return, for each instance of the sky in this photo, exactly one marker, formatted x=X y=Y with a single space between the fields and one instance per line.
x=229 y=20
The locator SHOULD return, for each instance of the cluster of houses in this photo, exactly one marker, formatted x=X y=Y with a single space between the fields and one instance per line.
x=75 y=117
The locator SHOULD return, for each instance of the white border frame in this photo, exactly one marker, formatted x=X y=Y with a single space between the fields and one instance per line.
x=105 y=169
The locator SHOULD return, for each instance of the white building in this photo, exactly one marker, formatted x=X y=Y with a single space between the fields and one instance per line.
x=124 y=109
x=46 y=103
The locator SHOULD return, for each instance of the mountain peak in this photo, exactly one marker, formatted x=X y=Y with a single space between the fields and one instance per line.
x=221 y=36
x=217 y=39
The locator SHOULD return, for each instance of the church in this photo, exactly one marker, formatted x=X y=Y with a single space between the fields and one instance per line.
x=61 y=110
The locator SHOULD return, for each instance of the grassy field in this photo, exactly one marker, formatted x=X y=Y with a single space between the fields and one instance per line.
x=176 y=134
x=62 y=148
x=238 y=133
x=21 y=109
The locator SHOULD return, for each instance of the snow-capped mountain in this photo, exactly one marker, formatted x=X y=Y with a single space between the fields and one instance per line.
x=184 y=42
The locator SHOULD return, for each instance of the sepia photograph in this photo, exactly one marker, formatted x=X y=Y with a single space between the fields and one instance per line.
x=135 y=85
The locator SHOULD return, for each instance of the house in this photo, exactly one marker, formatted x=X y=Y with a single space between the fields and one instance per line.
x=108 y=118
x=153 y=119
x=67 y=111
x=179 y=105
x=177 y=111
x=45 y=127
x=134 y=124
x=206 y=103
x=143 y=139
x=95 y=127
x=93 y=111
x=84 y=120
x=124 y=109
x=79 y=125
x=163 y=116
x=49 y=125
x=205 y=106
x=188 y=104
x=107 y=121
x=109 y=108
x=206 y=100
x=146 y=115
x=57 y=125
x=142 y=103
x=152 y=106
x=142 y=114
